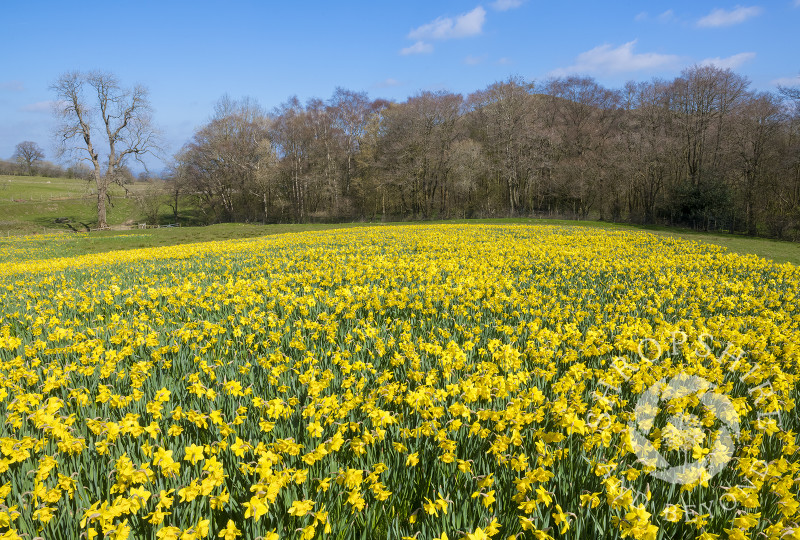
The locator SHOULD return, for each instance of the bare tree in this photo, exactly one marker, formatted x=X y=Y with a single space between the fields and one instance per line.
x=220 y=163
x=503 y=122
x=650 y=146
x=351 y=112
x=788 y=186
x=323 y=149
x=150 y=199
x=584 y=118
x=416 y=148
x=92 y=103
x=704 y=97
x=292 y=135
x=371 y=186
x=28 y=153
x=757 y=124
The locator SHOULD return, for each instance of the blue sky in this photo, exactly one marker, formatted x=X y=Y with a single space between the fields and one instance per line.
x=190 y=53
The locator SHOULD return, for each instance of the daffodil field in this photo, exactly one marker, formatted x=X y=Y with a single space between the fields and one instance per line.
x=439 y=381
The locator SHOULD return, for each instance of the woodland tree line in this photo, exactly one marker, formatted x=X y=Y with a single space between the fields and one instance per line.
x=28 y=160
x=702 y=150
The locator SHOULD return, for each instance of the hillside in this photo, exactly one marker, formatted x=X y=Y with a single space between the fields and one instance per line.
x=32 y=204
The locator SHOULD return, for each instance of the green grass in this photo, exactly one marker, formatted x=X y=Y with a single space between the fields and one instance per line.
x=777 y=250
x=32 y=204
x=780 y=251
x=33 y=217
x=45 y=246
x=38 y=187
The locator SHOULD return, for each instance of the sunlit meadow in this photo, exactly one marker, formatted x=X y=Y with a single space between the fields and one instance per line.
x=443 y=381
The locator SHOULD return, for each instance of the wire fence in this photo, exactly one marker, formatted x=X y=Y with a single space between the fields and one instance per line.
x=43 y=198
x=43 y=231
x=47 y=230
x=134 y=227
x=68 y=197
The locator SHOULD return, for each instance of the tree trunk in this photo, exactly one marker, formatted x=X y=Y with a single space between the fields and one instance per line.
x=175 y=208
x=102 y=197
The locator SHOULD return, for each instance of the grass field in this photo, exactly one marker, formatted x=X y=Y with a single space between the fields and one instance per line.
x=30 y=205
x=46 y=246
x=39 y=187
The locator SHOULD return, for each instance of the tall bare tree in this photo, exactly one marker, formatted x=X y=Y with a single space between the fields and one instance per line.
x=293 y=136
x=584 y=118
x=788 y=186
x=351 y=112
x=100 y=118
x=28 y=153
x=325 y=144
x=417 y=140
x=503 y=118
x=651 y=146
x=704 y=97
x=221 y=162
x=757 y=124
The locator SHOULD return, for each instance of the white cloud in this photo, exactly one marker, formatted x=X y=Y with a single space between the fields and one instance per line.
x=505 y=5
x=388 y=83
x=606 y=59
x=723 y=17
x=731 y=62
x=667 y=16
x=475 y=60
x=12 y=86
x=464 y=25
x=787 y=81
x=420 y=47
x=40 y=106
x=796 y=3
x=504 y=61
